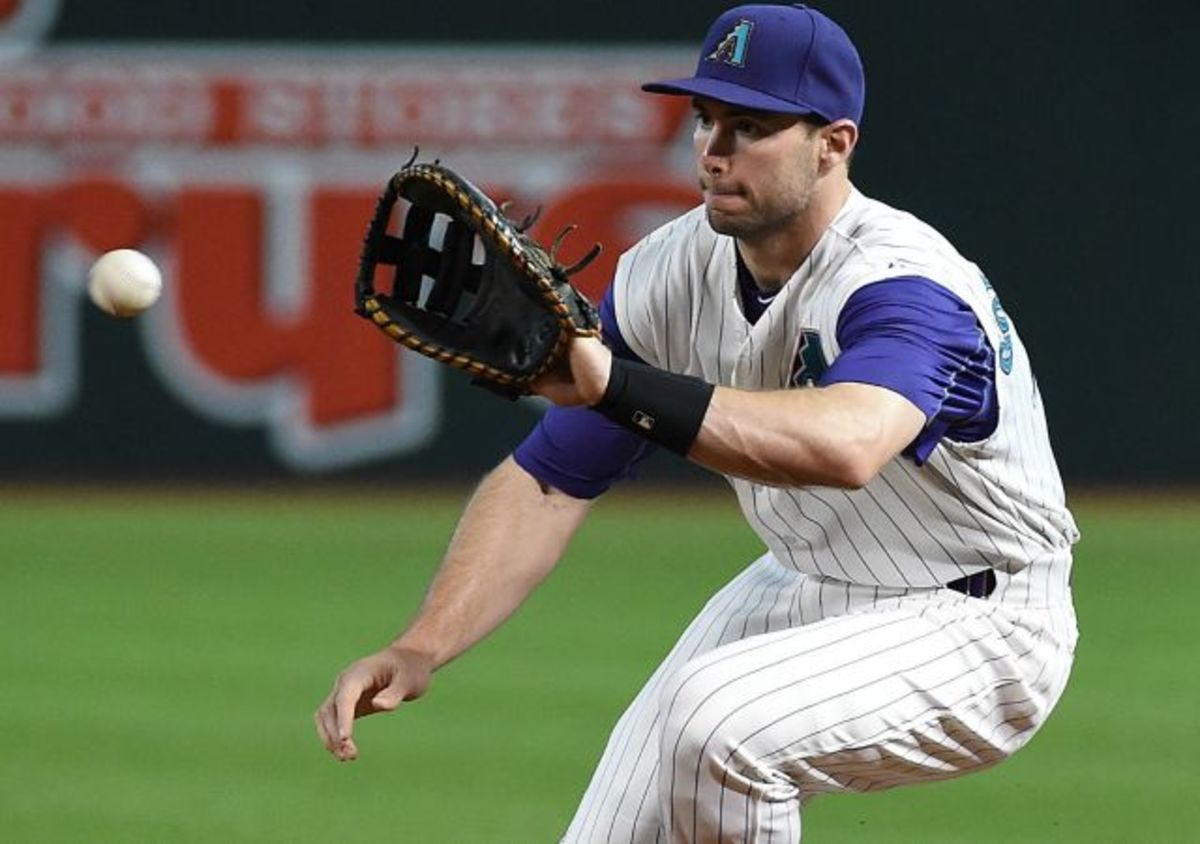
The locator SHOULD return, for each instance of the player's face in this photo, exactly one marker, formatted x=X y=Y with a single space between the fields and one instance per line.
x=757 y=169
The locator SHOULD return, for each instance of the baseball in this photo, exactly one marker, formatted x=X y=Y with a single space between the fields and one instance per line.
x=124 y=282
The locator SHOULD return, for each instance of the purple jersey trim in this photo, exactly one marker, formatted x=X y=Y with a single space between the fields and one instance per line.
x=916 y=338
x=754 y=301
x=612 y=331
x=577 y=450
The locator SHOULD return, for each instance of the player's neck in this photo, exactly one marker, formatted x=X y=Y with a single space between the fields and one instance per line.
x=773 y=259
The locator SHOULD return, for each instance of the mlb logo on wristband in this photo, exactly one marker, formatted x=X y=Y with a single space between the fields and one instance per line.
x=643 y=420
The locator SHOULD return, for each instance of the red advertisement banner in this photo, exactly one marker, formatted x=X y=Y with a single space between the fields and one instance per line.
x=249 y=178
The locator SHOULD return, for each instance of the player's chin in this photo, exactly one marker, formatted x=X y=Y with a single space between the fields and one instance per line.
x=726 y=222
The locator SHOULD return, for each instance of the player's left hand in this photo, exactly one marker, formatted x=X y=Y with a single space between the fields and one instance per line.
x=580 y=378
x=377 y=683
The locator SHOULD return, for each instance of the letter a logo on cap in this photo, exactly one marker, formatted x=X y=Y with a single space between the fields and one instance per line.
x=732 y=49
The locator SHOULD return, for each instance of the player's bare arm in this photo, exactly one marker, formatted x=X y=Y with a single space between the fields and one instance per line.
x=488 y=571
x=840 y=435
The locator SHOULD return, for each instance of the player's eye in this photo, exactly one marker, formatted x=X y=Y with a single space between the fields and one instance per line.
x=748 y=127
x=702 y=120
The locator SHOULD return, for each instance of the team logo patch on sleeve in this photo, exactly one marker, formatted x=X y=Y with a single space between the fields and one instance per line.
x=1002 y=322
x=732 y=49
x=809 y=364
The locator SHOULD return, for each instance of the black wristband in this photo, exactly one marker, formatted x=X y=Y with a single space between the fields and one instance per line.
x=663 y=407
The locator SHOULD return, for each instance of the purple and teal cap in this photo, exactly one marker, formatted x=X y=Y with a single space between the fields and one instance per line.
x=789 y=59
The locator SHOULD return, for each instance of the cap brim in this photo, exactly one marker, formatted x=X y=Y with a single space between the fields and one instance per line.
x=728 y=92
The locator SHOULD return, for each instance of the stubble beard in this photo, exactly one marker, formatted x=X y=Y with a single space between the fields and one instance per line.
x=769 y=219
x=751 y=227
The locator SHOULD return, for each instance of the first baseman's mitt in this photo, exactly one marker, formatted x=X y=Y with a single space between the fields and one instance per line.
x=470 y=288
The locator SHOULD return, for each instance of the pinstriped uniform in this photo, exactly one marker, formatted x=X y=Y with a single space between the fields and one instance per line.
x=835 y=662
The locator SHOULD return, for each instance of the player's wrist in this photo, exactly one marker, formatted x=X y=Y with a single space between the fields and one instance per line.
x=419 y=654
x=664 y=407
x=591 y=369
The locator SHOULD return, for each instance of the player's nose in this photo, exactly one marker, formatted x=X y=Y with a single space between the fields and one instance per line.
x=714 y=163
x=716 y=145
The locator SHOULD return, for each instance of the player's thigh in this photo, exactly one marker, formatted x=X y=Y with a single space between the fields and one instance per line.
x=619 y=803
x=759 y=600
x=861 y=701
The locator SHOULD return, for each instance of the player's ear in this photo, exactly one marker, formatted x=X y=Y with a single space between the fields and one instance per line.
x=838 y=140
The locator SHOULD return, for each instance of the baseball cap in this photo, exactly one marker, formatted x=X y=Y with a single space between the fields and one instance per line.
x=789 y=59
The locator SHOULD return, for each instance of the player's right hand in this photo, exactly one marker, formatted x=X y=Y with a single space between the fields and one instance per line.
x=377 y=683
x=579 y=379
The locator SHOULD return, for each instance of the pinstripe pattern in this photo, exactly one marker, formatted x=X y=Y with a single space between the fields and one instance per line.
x=997 y=503
x=789 y=685
x=836 y=662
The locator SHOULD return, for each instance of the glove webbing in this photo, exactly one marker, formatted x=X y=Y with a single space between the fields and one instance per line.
x=451 y=267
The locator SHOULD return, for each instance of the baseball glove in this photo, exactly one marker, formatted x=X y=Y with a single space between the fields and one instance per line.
x=470 y=288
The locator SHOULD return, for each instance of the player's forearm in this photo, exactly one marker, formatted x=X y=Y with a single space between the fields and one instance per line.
x=817 y=436
x=509 y=538
x=839 y=435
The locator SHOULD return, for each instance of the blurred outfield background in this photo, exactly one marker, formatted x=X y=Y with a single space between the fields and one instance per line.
x=162 y=645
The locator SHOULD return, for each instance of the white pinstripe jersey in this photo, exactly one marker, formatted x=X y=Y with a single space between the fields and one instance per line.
x=995 y=503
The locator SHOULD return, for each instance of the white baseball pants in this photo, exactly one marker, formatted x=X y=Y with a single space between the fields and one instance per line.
x=789 y=685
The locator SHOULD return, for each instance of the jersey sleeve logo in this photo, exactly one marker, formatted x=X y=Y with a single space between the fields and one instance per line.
x=1002 y=323
x=809 y=364
x=732 y=49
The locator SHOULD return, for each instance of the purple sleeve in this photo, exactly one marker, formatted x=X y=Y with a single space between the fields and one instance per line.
x=577 y=450
x=612 y=331
x=916 y=338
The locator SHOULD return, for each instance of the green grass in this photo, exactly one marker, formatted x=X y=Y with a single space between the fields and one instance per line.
x=161 y=654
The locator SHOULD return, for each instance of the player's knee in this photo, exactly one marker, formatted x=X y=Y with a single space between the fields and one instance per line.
x=705 y=719
x=681 y=702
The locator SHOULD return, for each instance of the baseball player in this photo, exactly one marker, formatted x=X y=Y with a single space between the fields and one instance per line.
x=873 y=407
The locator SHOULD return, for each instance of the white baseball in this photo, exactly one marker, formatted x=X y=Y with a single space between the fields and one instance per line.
x=124 y=282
